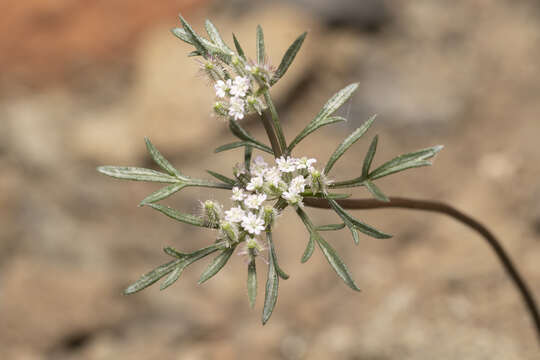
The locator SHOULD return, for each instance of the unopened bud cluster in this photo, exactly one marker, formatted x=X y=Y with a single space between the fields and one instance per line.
x=251 y=214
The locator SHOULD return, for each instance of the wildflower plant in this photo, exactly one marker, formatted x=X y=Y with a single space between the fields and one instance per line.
x=261 y=191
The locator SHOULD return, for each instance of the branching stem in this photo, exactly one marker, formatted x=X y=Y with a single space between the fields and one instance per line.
x=275 y=122
x=440 y=207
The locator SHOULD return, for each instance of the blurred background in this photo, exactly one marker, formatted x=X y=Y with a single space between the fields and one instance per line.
x=81 y=84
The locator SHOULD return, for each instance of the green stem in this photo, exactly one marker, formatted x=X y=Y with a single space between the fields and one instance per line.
x=270 y=132
x=276 y=123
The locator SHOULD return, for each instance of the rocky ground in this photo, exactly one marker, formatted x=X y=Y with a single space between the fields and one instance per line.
x=463 y=74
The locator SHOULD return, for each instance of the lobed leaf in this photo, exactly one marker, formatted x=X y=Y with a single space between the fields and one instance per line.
x=217 y=264
x=163 y=193
x=196 y=40
x=369 y=156
x=136 y=174
x=375 y=191
x=252 y=282
x=337 y=264
x=151 y=277
x=243 y=143
x=220 y=177
x=406 y=161
x=312 y=126
x=288 y=58
x=177 y=215
x=272 y=284
x=347 y=143
x=356 y=224
x=160 y=159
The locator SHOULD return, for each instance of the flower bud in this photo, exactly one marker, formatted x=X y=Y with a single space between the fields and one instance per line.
x=212 y=212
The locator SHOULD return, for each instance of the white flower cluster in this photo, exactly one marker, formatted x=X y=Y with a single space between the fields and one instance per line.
x=235 y=92
x=289 y=179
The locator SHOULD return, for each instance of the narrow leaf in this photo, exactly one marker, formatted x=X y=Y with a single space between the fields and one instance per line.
x=336 y=263
x=217 y=264
x=312 y=126
x=369 y=156
x=195 y=39
x=242 y=134
x=162 y=193
x=213 y=33
x=243 y=143
x=309 y=249
x=406 y=161
x=182 y=35
x=194 y=53
x=357 y=224
x=151 y=277
x=174 y=253
x=376 y=192
x=282 y=274
x=136 y=173
x=330 y=227
x=288 y=58
x=260 y=45
x=248 y=152
x=347 y=143
x=238 y=47
x=252 y=282
x=160 y=159
x=171 y=278
x=177 y=215
x=272 y=284
x=223 y=178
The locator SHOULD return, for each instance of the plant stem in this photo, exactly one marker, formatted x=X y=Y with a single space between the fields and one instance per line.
x=275 y=121
x=270 y=132
x=440 y=207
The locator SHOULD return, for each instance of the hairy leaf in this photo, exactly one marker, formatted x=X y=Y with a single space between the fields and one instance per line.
x=357 y=224
x=225 y=179
x=260 y=45
x=288 y=58
x=406 y=161
x=238 y=47
x=242 y=134
x=177 y=215
x=217 y=264
x=309 y=249
x=214 y=35
x=312 y=126
x=160 y=160
x=337 y=264
x=151 y=277
x=375 y=191
x=243 y=143
x=136 y=173
x=172 y=277
x=252 y=282
x=369 y=156
x=163 y=193
x=272 y=284
x=330 y=227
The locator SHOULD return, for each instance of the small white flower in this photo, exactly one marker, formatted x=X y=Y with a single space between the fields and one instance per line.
x=236 y=108
x=238 y=194
x=221 y=87
x=286 y=165
x=292 y=198
x=273 y=176
x=235 y=214
x=240 y=86
x=255 y=183
x=259 y=166
x=253 y=224
x=297 y=185
x=305 y=163
x=254 y=201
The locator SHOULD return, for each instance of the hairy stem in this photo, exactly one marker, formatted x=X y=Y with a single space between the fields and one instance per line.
x=275 y=121
x=440 y=207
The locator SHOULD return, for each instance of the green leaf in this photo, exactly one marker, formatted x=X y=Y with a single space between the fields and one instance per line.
x=182 y=35
x=326 y=196
x=242 y=134
x=312 y=126
x=163 y=193
x=309 y=249
x=252 y=282
x=213 y=33
x=151 y=277
x=136 y=173
x=217 y=264
x=160 y=160
x=260 y=45
x=174 y=253
x=248 y=152
x=405 y=161
x=177 y=215
x=330 y=227
x=353 y=223
x=347 y=143
x=196 y=40
x=194 y=53
x=223 y=178
x=288 y=58
x=238 y=47
x=240 y=144
x=335 y=261
x=272 y=284
x=369 y=156
x=172 y=277
x=282 y=274
x=376 y=192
